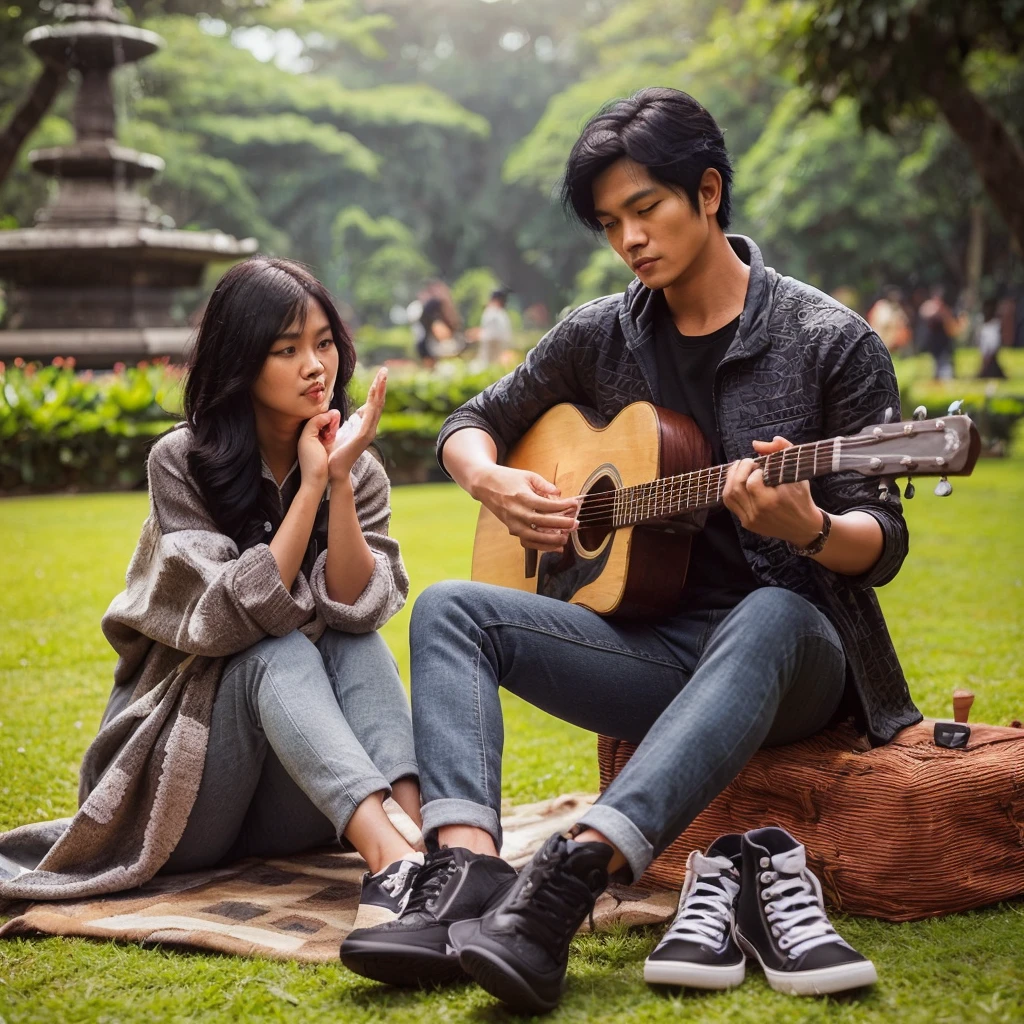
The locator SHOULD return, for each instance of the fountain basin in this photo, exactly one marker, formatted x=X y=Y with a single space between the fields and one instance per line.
x=92 y=45
x=95 y=158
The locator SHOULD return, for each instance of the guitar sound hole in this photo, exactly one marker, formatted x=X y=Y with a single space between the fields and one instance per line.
x=592 y=537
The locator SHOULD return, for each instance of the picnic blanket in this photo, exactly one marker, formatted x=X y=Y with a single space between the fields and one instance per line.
x=300 y=907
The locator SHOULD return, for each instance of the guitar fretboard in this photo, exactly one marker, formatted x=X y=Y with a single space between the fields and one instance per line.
x=702 y=488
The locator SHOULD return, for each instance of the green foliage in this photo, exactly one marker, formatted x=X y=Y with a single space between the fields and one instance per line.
x=887 y=54
x=379 y=262
x=60 y=429
x=861 y=229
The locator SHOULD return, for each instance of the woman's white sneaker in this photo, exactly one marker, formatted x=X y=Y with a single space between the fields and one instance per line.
x=698 y=950
x=781 y=921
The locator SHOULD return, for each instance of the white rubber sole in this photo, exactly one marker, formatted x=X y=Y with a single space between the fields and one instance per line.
x=679 y=972
x=822 y=982
x=370 y=916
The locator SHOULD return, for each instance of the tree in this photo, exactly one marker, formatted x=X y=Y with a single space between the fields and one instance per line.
x=897 y=57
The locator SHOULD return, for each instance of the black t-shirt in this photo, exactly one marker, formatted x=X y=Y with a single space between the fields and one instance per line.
x=718 y=576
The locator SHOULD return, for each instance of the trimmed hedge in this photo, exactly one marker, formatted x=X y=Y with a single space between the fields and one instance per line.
x=62 y=430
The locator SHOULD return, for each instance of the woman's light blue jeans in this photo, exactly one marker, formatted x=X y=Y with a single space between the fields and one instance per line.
x=301 y=734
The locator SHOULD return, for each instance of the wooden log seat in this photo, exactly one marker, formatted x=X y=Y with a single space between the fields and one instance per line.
x=901 y=832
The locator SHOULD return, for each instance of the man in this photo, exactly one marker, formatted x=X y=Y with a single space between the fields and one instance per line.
x=779 y=631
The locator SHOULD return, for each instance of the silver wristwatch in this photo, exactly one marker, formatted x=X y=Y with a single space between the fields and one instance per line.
x=818 y=543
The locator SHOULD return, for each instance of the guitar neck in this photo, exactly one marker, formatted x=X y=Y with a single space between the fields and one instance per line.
x=702 y=488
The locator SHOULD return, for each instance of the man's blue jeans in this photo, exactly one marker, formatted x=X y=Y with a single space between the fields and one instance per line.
x=699 y=693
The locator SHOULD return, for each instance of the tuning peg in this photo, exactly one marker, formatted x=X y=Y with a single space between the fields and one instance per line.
x=909 y=491
x=883 y=490
x=944 y=488
x=887 y=418
x=955 y=408
x=920 y=413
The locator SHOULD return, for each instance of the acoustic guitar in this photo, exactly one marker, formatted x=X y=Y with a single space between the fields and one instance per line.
x=647 y=485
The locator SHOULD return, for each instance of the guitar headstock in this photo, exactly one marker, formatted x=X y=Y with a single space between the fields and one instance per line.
x=944 y=446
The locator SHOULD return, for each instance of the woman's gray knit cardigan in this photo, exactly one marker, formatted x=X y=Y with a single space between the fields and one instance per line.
x=190 y=601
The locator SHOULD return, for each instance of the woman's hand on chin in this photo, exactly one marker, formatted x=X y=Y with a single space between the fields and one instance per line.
x=315 y=444
x=357 y=432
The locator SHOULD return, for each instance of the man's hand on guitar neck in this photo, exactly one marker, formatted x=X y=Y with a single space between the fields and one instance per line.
x=531 y=507
x=789 y=513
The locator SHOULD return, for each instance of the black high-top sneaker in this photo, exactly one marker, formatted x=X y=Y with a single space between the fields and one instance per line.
x=384 y=894
x=413 y=949
x=698 y=950
x=781 y=921
x=519 y=950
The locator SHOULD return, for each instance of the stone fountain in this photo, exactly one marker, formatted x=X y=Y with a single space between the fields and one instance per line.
x=99 y=276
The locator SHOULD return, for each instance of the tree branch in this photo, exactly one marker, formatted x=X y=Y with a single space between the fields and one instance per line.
x=27 y=117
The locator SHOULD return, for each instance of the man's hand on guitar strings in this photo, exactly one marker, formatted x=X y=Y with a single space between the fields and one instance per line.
x=787 y=511
x=531 y=507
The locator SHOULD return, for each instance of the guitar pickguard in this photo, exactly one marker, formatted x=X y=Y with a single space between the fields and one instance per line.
x=562 y=575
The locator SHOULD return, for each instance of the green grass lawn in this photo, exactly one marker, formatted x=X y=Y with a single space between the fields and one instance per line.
x=955 y=613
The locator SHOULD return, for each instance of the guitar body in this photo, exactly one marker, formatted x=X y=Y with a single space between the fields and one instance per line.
x=632 y=571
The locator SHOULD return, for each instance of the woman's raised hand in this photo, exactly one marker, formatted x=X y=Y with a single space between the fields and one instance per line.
x=314 y=447
x=355 y=435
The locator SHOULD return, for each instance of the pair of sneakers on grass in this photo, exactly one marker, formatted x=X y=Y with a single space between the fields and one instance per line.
x=462 y=913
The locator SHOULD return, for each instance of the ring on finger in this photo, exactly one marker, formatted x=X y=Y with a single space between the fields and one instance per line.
x=533 y=526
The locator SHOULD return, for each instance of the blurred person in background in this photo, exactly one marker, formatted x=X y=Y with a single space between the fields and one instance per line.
x=889 y=320
x=438 y=336
x=495 y=331
x=937 y=326
x=990 y=340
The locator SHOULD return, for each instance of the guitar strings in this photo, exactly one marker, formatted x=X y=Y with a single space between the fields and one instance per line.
x=603 y=506
x=600 y=505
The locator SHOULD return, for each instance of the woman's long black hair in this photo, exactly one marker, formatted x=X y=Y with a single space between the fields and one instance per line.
x=253 y=304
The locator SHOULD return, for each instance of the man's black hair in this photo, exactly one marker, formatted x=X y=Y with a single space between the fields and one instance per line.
x=665 y=130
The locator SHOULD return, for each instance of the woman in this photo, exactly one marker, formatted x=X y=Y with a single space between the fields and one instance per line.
x=256 y=711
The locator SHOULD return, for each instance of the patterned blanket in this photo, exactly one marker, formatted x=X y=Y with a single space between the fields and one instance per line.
x=299 y=908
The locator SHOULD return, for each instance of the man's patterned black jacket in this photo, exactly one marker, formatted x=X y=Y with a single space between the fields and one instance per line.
x=801 y=365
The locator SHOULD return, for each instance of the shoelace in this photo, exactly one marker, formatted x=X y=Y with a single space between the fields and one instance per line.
x=429 y=882
x=394 y=883
x=706 y=913
x=794 y=911
x=554 y=908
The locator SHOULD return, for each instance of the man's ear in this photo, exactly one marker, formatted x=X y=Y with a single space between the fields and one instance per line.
x=710 y=191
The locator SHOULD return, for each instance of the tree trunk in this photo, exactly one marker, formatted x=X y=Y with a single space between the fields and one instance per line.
x=975 y=261
x=997 y=156
x=27 y=117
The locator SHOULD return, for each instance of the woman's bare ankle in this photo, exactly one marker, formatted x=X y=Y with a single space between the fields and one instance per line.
x=370 y=831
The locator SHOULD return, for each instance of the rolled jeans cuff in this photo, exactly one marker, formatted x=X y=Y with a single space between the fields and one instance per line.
x=614 y=825
x=402 y=770
x=355 y=793
x=438 y=813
